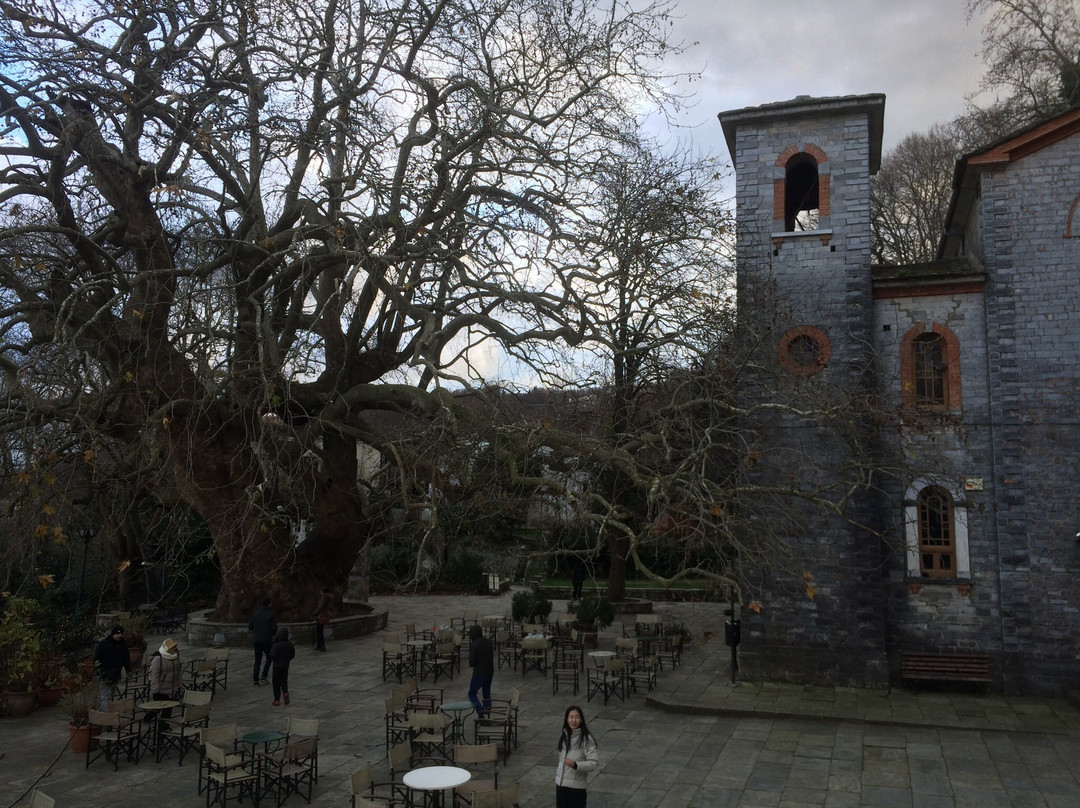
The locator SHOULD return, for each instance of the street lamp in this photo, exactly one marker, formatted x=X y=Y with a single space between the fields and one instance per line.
x=85 y=533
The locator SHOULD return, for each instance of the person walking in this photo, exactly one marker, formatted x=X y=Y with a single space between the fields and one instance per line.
x=282 y=653
x=263 y=626
x=482 y=660
x=577 y=757
x=110 y=657
x=577 y=578
x=322 y=618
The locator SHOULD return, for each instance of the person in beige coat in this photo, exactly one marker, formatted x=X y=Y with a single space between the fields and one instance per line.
x=166 y=675
x=577 y=758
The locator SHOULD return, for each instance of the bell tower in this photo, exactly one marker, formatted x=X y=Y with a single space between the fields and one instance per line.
x=805 y=310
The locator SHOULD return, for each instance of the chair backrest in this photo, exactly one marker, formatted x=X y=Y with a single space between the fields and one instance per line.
x=391 y=645
x=515 y=698
x=197 y=697
x=298 y=750
x=215 y=754
x=400 y=756
x=205 y=666
x=361 y=779
x=123 y=706
x=302 y=727
x=466 y=754
x=103 y=719
x=499 y=798
x=364 y=802
x=626 y=644
x=217 y=653
x=614 y=665
x=429 y=721
x=41 y=800
x=472 y=614
x=444 y=648
x=195 y=713
x=219 y=736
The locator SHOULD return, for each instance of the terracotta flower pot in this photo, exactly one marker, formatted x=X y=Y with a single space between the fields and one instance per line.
x=19 y=703
x=49 y=696
x=81 y=739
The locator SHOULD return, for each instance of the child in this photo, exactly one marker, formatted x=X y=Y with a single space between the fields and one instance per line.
x=281 y=653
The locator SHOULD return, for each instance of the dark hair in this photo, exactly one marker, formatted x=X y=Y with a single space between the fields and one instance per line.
x=266 y=601
x=567 y=734
x=326 y=589
x=475 y=631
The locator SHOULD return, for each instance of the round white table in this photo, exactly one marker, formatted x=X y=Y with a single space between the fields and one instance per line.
x=600 y=657
x=436 y=779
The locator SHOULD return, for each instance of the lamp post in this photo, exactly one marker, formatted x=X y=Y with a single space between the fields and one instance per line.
x=85 y=533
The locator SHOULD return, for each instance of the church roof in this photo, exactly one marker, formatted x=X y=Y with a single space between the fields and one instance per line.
x=805 y=106
x=1003 y=152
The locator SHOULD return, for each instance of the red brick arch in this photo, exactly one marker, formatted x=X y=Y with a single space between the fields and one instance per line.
x=952 y=367
x=823 y=178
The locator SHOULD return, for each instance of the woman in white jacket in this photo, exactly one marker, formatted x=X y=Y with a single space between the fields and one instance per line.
x=577 y=757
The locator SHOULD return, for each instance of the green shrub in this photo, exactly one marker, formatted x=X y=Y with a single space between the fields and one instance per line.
x=529 y=607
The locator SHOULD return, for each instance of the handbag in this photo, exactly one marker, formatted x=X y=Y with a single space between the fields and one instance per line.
x=322 y=621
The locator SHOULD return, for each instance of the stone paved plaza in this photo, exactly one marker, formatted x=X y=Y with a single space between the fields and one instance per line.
x=697 y=741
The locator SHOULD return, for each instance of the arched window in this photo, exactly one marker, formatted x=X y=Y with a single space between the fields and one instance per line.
x=930 y=368
x=802 y=194
x=936 y=532
x=937 y=553
x=801 y=189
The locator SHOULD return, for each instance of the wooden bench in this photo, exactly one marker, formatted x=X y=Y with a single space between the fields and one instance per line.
x=946 y=667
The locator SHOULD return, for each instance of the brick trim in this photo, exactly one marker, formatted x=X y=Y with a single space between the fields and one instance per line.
x=821 y=358
x=952 y=367
x=780 y=183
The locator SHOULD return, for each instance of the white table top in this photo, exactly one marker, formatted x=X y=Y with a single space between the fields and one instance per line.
x=436 y=778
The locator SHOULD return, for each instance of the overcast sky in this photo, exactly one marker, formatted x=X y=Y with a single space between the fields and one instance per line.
x=922 y=54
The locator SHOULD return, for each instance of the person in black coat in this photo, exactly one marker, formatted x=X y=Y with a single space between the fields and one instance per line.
x=263 y=626
x=282 y=653
x=482 y=659
x=110 y=657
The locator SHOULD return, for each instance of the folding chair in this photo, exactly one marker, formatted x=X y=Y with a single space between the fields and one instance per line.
x=221 y=670
x=41 y=800
x=441 y=661
x=669 y=649
x=564 y=669
x=481 y=759
x=183 y=734
x=289 y=771
x=500 y=725
x=431 y=735
x=395 y=659
x=227 y=738
x=225 y=774
x=610 y=680
x=203 y=677
x=506 y=797
x=506 y=648
x=534 y=655
x=116 y=734
x=362 y=785
x=304 y=728
x=396 y=719
x=642 y=672
x=421 y=698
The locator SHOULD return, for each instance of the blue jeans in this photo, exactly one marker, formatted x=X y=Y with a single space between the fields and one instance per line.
x=480 y=683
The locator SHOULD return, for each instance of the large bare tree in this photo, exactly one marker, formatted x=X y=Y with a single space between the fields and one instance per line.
x=231 y=229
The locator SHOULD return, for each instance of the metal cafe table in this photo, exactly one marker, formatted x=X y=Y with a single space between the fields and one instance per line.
x=457 y=711
x=153 y=710
x=436 y=779
x=266 y=737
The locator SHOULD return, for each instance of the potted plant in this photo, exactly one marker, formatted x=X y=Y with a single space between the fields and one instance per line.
x=593 y=613
x=20 y=655
x=136 y=629
x=76 y=705
x=529 y=607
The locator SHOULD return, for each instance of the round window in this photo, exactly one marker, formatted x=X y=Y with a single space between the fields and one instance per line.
x=804 y=350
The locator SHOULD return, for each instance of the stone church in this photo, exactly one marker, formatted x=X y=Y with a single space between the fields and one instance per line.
x=967 y=541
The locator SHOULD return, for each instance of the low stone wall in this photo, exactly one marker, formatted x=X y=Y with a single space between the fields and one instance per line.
x=202 y=631
x=644 y=595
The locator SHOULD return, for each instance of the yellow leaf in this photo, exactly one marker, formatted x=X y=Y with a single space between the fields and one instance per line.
x=46 y=581
x=810 y=591
x=123 y=566
x=58 y=536
x=48 y=510
x=41 y=531
x=88 y=456
x=808 y=576
x=754 y=606
x=165 y=423
x=715 y=509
